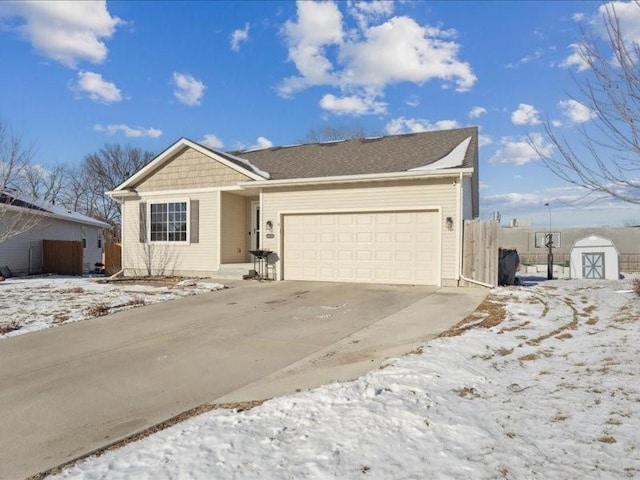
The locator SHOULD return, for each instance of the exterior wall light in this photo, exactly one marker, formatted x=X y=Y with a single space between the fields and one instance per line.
x=449 y=223
x=269 y=225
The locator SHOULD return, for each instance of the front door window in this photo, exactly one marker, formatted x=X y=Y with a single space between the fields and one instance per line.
x=255 y=226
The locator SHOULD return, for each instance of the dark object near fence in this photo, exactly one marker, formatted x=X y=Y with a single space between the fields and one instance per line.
x=508 y=262
x=5 y=272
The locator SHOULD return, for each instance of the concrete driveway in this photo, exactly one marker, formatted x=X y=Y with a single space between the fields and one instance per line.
x=69 y=390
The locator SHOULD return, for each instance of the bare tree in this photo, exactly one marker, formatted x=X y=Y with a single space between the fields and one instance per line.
x=103 y=171
x=606 y=158
x=47 y=184
x=331 y=133
x=16 y=215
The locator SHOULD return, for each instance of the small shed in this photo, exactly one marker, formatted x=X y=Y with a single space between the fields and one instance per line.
x=594 y=257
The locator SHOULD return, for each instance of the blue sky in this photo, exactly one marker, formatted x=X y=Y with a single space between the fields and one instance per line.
x=244 y=74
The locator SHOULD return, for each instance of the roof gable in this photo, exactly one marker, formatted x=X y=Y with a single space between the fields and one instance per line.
x=240 y=165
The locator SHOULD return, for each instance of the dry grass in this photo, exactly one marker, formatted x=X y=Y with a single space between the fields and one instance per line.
x=467 y=392
x=136 y=302
x=592 y=321
x=530 y=357
x=98 y=310
x=10 y=326
x=564 y=336
x=75 y=290
x=504 y=351
x=607 y=439
x=538 y=340
x=490 y=313
x=60 y=318
x=559 y=418
x=635 y=283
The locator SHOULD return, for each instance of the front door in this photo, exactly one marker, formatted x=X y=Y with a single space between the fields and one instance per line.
x=593 y=265
x=255 y=226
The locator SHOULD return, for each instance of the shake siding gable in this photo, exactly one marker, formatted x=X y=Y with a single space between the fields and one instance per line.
x=190 y=169
x=427 y=194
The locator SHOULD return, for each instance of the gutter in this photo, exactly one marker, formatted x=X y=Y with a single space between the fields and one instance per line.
x=409 y=175
x=476 y=282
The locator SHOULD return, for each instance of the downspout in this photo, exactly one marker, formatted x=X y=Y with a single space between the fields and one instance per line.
x=460 y=239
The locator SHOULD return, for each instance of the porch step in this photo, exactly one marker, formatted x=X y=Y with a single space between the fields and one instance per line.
x=234 y=271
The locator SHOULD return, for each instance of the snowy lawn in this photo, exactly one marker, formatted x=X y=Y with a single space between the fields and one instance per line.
x=542 y=384
x=30 y=304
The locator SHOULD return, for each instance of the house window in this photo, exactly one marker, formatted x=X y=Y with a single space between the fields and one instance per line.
x=168 y=222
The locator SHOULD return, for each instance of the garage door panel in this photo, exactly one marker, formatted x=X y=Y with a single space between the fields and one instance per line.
x=379 y=247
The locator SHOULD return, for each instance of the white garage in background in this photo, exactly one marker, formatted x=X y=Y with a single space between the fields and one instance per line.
x=594 y=257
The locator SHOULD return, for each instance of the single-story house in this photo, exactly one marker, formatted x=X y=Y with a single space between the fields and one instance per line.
x=373 y=210
x=37 y=221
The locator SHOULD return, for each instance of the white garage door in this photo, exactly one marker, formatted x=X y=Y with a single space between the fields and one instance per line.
x=379 y=247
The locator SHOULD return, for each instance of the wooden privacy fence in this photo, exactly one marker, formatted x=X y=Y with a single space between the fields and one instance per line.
x=62 y=256
x=112 y=258
x=480 y=251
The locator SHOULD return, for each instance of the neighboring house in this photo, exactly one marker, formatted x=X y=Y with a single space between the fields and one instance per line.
x=372 y=210
x=23 y=253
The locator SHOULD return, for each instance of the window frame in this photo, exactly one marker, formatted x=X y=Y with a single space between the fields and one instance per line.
x=187 y=203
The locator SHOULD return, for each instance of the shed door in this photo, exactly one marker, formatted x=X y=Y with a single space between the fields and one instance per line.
x=593 y=265
x=372 y=247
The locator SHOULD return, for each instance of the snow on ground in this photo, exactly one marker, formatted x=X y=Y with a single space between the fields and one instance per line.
x=30 y=304
x=550 y=392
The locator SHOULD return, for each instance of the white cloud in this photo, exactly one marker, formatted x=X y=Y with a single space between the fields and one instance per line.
x=628 y=16
x=352 y=105
x=575 y=111
x=401 y=50
x=477 y=112
x=129 y=132
x=556 y=123
x=578 y=17
x=484 y=140
x=238 y=36
x=65 y=31
x=412 y=100
x=576 y=58
x=212 y=141
x=365 y=12
x=261 y=142
x=516 y=199
x=188 y=90
x=318 y=25
x=525 y=115
x=370 y=56
x=522 y=150
x=416 y=125
x=96 y=88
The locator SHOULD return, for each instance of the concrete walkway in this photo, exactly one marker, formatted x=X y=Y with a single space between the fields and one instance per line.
x=69 y=390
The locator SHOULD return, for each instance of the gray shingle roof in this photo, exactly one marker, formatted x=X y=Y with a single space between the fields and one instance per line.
x=396 y=153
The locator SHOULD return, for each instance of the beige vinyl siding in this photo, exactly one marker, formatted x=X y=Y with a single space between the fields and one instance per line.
x=234 y=237
x=190 y=169
x=14 y=252
x=389 y=195
x=174 y=258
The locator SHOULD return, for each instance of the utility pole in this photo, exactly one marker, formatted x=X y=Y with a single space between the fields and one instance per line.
x=549 y=245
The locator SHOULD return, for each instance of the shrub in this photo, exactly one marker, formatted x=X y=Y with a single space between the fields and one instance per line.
x=98 y=310
x=10 y=326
